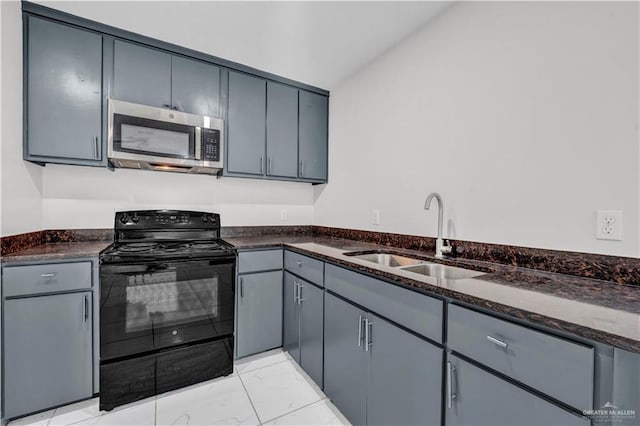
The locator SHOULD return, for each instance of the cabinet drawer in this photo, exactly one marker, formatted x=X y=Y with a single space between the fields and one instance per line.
x=46 y=278
x=310 y=269
x=264 y=260
x=420 y=313
x=562 y=369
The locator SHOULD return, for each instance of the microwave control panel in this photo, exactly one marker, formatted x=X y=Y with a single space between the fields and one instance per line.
x=210 y=144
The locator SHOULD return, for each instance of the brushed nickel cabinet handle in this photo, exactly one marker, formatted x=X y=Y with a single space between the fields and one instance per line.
x=301 y=168
x=261 y=164
x=450 y=393
x=360 y=331
x=48 y=275
x=241 y=288
x=85 y=309
x=300 y=299
x=368 y=338
x=498 y=342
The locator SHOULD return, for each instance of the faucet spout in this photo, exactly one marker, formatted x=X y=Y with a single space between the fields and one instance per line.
x=427 y=204
x=441 y=248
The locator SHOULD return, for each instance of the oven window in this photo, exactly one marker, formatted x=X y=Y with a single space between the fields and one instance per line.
x=150 y=307
x=157 y=141
x=153 y=137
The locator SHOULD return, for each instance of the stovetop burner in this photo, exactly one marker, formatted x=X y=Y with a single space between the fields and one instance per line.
x=160 y=234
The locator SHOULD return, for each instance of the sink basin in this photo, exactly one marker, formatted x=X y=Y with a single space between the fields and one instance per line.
x=437 y=270
x=387 y=259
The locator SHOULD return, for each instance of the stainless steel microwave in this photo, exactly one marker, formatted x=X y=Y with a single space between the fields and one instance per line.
x=150 y=138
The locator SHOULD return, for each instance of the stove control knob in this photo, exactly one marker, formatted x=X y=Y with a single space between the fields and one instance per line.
x=124 y=219
x=205 y=218
x=135 y=219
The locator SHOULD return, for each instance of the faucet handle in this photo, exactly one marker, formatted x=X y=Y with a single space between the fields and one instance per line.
x=447 y=247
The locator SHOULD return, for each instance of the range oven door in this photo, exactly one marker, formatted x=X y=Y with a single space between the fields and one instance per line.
x=147 y=308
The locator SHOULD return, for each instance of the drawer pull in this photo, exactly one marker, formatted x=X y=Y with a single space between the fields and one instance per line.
x=498 y=342
x=299 y=263
x=360 y=331
x=48 y=275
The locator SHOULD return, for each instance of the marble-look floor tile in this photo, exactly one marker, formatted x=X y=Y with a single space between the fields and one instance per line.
x=40 y=419
x=321 y=413
x=141 y=413
x=278 y=389
x=264 y=359
x=218 y=402
x=75 y=413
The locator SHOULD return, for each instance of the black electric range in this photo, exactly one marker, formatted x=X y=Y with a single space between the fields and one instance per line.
x=167 y=291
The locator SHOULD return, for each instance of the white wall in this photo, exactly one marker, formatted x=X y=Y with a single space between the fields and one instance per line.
x=522 y=115
x=21 y=182
x=87 y=197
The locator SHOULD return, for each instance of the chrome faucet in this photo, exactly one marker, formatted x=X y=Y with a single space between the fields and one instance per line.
x=441 y=248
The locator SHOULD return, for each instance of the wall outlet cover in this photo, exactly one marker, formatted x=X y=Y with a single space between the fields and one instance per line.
x=609 y=225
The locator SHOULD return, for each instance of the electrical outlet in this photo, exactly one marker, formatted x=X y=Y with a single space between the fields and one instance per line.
x=609 y=225
x=376 y=216
x=283 y=215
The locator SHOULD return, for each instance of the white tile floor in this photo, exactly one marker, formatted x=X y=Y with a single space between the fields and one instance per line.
x=265 y=389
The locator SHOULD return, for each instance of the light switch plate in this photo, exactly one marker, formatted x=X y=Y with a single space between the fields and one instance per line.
x=609 y=225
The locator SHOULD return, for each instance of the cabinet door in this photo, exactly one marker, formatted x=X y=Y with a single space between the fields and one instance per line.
x=345 y=366
x=311 y=330
x=47 y=352
x=246 y=124
x=195 y=87
x=64 y=92
x=141 y=75
x=282 y=130
x=291 y=318
x=313 y=133
x=479 y=398
x=405 y=382
x=259 y=312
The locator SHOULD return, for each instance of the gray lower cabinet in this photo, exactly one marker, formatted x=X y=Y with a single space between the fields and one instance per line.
x=153 y=77
x=246 y=121
x=476 y=397
x=63 y=88
x=303 y=325
x=259 y=312
x=377 y=373
x=47 y=351
x=313 y=136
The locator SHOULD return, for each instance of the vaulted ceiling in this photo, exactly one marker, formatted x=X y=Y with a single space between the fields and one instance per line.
x=318 y=43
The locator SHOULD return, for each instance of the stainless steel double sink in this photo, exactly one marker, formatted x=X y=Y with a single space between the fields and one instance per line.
x=415 y=265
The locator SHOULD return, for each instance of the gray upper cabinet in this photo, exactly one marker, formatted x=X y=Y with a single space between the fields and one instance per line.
x=475 y=397
x=141 y=75
x=282 y=130
x=195 y=87
x=63 y=88
x=47 y=352
x=152 y=77
x=259 y=312
x=275 y=131
x=246 y=124
x=313 y=136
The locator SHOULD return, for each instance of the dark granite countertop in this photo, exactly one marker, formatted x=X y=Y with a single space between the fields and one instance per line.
x=598 y=310
x=57 y=251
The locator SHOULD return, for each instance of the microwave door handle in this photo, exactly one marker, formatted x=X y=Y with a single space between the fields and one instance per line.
x=198 y=145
